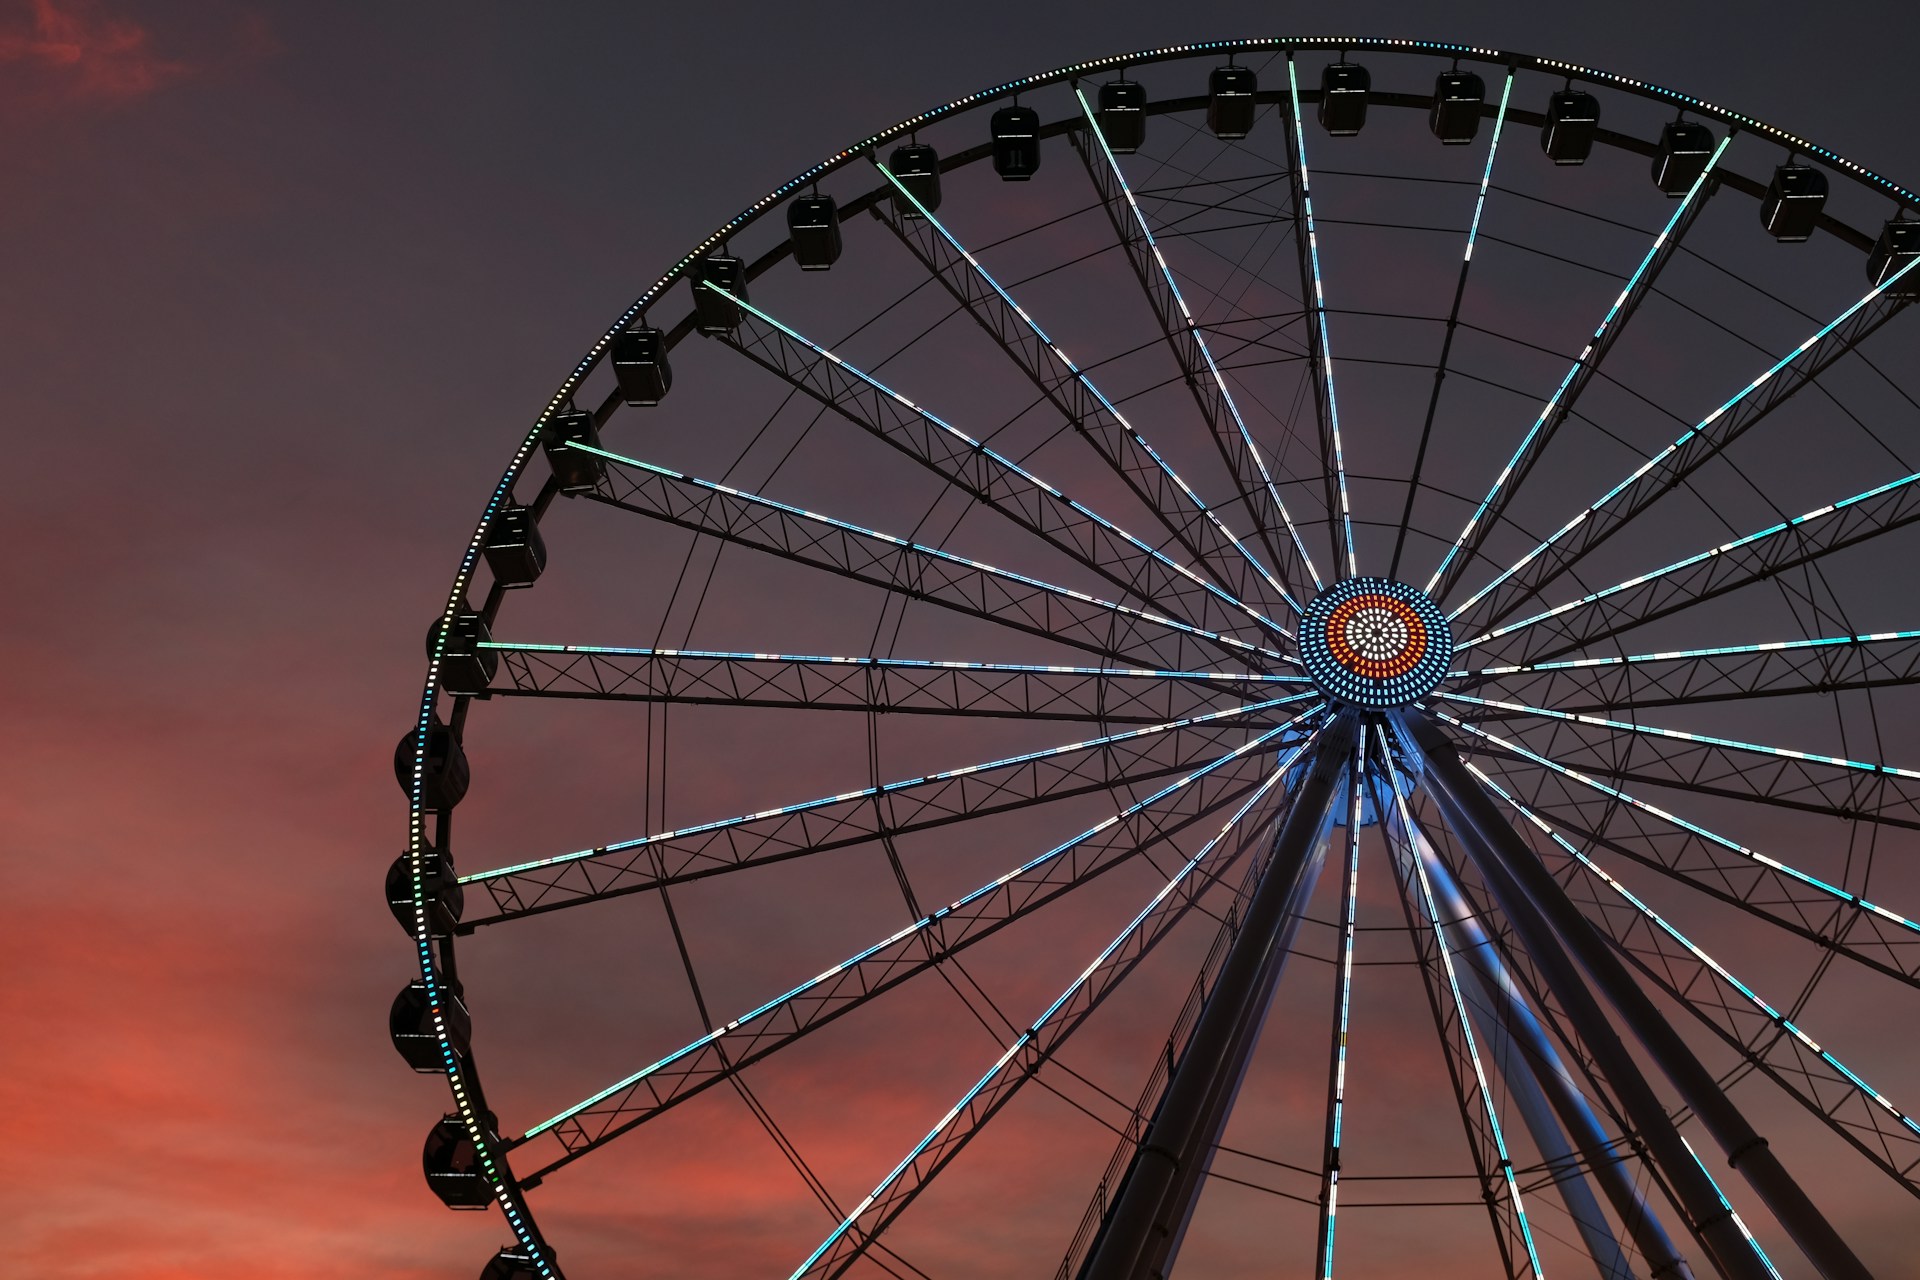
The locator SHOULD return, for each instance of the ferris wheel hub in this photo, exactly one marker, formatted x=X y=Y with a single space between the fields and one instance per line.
x=1375 y=643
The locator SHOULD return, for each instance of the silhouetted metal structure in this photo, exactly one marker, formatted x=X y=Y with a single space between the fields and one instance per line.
x=1500 y=734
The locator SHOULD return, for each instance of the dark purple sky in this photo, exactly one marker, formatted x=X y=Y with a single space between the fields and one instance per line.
x=284 y=283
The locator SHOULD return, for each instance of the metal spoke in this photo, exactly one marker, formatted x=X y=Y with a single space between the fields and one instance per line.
x=1453 y=323
x=596 y=1120
x=989 y=476
x=1342 y=1007
x=1715 y=571
x=855 y=817
x=1202 y=374
x=1194 y=526
x=1765 y=1038
x=1560 y=404
x=921 y=572
x=1681 y=677
x=1453 y=1023
x=1710 y=765
x=1116 y=695
x=1720 y=866
x=1333 y=449
x=1668 y=468
x=1031 y=1049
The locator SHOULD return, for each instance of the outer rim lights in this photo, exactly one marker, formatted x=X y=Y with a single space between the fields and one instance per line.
x=1375 y=643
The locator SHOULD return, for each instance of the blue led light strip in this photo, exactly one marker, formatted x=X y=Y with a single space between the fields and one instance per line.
x=1733 y=1213
x=1673 y=448
x=921 y=925
x=1411 y=846
x=1773 y=1015
x=1074 y=370
x=1033 y=1045
x=1680 y=655
x=1337 y=1086
x=997 y=668
x=1200 y=341
x=1009 y=464
x=1732 y=744
x=1320 y=319
x=1712 y=837
x=935 y=553
x=1746 y=540
x=1486 y=176
x=887 y=788
x=1579 y=363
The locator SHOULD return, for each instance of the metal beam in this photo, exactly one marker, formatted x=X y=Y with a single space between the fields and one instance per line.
x=1540 y=910
x=1155 y=1201
x=1520 y=1028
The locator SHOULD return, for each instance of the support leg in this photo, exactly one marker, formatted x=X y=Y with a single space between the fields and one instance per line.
x=1513 y=874
x=1156 y=1198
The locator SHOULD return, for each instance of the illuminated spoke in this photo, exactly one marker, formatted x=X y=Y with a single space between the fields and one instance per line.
x=1118 y=695
x=1342 y=1007
x=1453 y=1020
x=921 y=572
x=860 y=978
x=1453 y=322
x=1560 y=404
x=1765 y=1037
x=1333 y=448
x=1666 y=470
x=1717 y=865
x=987 y=475
x=1680 y=677
x=1034 y=1046
x=1725 y=767
x=1750 y=558
x=1203 y=377
x=1195 y=526
x=1096 y=765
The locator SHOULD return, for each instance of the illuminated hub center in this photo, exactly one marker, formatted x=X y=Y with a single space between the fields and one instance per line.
x=1375 y=643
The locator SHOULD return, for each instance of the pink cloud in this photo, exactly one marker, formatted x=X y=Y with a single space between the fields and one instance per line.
x=82 y=54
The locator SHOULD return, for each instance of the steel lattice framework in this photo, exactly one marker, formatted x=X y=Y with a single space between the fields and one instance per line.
x=1624 y=766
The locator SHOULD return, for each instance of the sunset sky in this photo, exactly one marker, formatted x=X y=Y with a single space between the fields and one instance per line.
x=284 y=285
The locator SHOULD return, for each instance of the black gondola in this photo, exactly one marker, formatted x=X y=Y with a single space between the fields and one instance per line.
x=410 y=1024
x=640 y=364
x=1343 y=98
x=439 y=889
x=516 y=1262
x=1230 y=101
x=1896 y=249
x=1457 y=99
x=1123 y=115
x=576 y=471
x=465 y=667
x=714 y=313
x=515 y=551
x=813 y=222
x=443 y=766
x=1573 y=118
x=1795 y=197
x=1016 y=142
x=452 y=1165
x=917 y=166
x=1685 y=149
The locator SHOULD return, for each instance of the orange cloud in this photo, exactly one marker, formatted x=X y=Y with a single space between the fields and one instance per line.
x=83 y=54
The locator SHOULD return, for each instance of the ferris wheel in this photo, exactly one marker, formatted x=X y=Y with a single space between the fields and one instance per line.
x=1391 y=749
